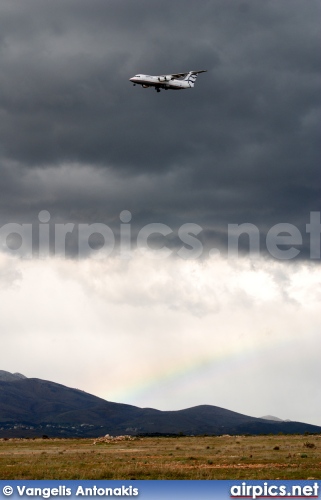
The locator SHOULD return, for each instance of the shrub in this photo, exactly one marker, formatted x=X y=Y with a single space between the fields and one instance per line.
x=307 y=444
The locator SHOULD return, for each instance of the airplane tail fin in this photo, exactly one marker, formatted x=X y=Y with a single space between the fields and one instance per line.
x=192 y=75
x=191 y=78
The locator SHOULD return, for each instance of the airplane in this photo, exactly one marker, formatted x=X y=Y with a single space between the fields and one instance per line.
x=175 y=81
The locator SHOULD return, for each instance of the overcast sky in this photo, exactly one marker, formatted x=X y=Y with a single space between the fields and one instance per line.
x=179 y=318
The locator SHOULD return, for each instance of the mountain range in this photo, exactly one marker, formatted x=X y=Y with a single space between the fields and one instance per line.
x=31 y=407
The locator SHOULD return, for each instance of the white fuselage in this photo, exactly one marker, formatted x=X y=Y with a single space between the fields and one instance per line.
x=161 y=82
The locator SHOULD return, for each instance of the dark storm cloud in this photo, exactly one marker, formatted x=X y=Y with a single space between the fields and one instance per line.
x=243 y=146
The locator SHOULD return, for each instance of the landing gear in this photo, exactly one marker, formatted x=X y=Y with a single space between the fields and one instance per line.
x=134 y=84
x=157 y=90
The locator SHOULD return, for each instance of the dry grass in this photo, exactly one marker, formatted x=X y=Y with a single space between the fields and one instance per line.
x=235 y=457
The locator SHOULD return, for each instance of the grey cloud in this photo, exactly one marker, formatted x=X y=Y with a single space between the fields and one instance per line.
x=243 y=146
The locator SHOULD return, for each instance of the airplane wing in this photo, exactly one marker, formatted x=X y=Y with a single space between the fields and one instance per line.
x=199 y=71
x=181 y=75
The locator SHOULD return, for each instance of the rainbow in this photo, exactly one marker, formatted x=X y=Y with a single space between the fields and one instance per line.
x=189 y=375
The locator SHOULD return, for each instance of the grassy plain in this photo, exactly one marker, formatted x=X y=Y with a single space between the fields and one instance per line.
x=234 y=457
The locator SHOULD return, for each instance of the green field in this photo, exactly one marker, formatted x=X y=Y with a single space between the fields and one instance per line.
x=221 y=457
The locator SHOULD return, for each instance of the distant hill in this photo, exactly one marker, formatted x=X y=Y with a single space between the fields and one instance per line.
x=34 y=407
x=9 y=377
x=270 y=417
